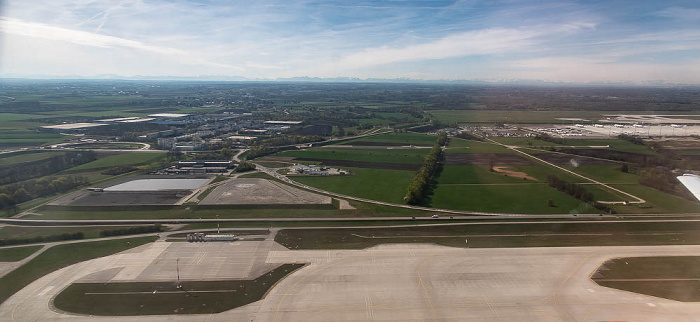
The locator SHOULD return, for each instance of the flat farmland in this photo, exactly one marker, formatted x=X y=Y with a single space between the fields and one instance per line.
x=26 y=157
x=411 y=156
x=656 y=201
x=457 y=145
x=375 y=184
x=516 y=198
x=479 y=174
x=398 y=138
x=136 y=158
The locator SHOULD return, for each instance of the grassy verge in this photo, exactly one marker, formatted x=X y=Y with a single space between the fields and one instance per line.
x=497 y=235
x=672 y=277
x=17 y=253
x=159 y=298
x=61 y=256
x=21 y=232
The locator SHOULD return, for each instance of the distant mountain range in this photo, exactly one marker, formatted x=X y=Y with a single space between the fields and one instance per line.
x=222 y=78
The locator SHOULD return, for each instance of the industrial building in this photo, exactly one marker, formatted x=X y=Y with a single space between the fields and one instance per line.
x=201 y=237
x=201 y=166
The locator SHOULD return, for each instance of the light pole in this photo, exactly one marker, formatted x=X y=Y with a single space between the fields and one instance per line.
x=177 y=266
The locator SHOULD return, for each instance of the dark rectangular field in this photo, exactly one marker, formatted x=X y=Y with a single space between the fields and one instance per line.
x=364 y=164
x=485 y=159
x=375 y=143
x=564 y=159
x=169 y=197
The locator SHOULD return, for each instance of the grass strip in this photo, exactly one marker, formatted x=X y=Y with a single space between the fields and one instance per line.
x=157 y=298
x=17 y=253
x=60 y=256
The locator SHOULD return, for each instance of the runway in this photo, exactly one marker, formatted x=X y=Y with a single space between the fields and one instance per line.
x=406 y=282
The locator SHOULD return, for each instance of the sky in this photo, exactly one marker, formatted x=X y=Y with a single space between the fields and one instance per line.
x=559 y=41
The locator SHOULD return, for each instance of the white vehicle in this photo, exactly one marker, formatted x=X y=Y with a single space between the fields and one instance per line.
x=436 y=216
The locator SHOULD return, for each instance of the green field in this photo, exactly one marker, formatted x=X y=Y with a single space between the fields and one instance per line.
x=375 y=184
x=672 y=277
x=605 y=173
x=26 y=157
x=457 y=145
x=403 y=138
x=560 y=234
x=21 y=232
x=135 y=158
x=473 y=174
x=530 y=199
x=657 y=201
x=414 y=156
x=162 y=298
x=17 y=253
x=61 y=256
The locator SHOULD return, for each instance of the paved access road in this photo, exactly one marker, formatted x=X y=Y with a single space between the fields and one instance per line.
x=416 y=282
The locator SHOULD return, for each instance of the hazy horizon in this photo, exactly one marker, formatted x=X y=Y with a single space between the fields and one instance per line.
x=639 y=42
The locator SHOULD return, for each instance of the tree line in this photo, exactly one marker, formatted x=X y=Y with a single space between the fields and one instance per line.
x=418 y=187
x=577 y=191
x=572 y=189
x=16 y=193
x=131 y=230
x=33 y=169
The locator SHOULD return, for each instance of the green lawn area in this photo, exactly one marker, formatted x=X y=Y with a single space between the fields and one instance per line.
x=14 y=232
x=484 y=235
x=404 y=138
x=375 y=184
x=605 y=173
x=26 y=157
x=413 y=156
x=476 y=174
x=61 y=256
x=657 y=201
x=160 y=298
x=671 y=277
x=530 y=199
x=17 y=253
x=457 y=145
x=615 y=144
x=135 y=158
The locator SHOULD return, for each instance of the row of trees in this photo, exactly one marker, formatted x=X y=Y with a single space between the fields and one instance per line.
x=548 y=138
x=244 y=166
x=33 y=169
x=13 y=194
x=572 y=189
x=418 y=187
x=132 y=230
x=631 y=138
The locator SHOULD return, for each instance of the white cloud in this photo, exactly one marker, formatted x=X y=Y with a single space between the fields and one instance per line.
x=481 y=42
x=38 y=30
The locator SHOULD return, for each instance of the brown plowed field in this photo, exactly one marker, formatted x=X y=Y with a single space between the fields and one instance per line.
x=364 y=164
x=485 y=159
x=563 y=159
